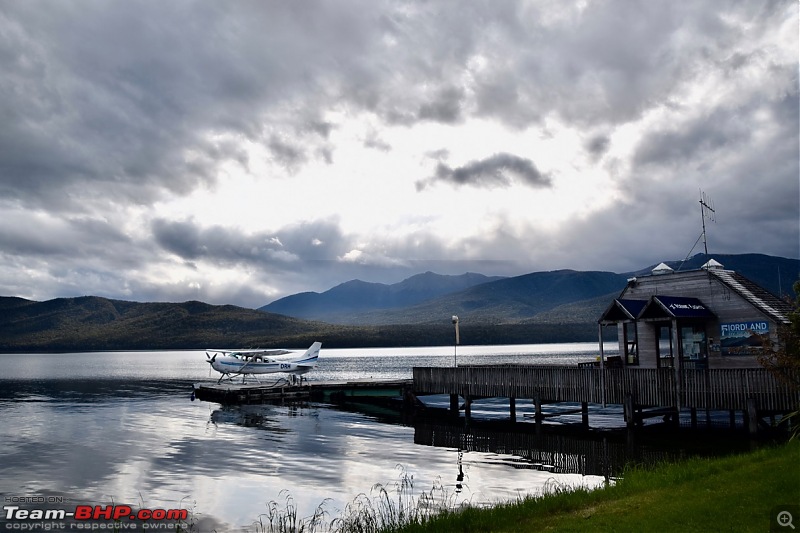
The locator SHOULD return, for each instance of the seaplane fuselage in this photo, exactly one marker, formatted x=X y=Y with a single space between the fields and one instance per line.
x=231 y=363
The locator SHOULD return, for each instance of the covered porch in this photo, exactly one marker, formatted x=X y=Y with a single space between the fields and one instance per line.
x=661 y=332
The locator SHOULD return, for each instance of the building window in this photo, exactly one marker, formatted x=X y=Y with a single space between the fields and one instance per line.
x=694 y=346
x=631 y=343
x=664 y=348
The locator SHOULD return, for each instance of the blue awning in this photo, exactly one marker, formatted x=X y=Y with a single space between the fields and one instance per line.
x=675 y=307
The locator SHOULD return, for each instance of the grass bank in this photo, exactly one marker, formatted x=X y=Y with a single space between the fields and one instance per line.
x=736 y=493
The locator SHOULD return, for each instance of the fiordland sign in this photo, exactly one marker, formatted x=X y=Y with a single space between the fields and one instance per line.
x=743 y=338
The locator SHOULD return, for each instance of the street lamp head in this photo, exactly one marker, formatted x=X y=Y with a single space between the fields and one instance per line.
x=455 y=319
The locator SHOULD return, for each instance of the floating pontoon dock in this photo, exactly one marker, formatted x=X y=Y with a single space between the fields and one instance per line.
x=364 y=391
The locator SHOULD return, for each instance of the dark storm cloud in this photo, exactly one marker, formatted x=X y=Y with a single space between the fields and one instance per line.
x=705 y=136
x=498 y=170
x=445 y=108
x=598 y=145
x=286 y=154
x=286 y=248
x=29 y=234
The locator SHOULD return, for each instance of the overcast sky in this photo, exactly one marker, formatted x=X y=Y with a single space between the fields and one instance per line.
x=239 y=151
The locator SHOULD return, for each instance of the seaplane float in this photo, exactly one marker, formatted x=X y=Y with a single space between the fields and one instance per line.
x=254 y=362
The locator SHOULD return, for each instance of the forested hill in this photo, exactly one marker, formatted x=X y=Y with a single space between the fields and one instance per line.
x=91 y=323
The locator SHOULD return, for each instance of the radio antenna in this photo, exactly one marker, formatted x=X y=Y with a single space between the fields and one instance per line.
x=706 y=211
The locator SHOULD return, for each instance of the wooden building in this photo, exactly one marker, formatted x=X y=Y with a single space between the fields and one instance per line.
x=688 y=340
x=697 y=319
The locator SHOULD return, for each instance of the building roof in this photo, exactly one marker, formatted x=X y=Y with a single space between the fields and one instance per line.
x=774 y=307
x=622 y=310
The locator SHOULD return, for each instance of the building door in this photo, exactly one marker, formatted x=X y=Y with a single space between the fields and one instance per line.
x=664 y=348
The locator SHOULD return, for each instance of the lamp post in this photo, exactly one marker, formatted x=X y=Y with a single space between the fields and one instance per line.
x=455 y=346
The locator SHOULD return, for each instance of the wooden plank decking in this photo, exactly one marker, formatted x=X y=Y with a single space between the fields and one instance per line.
x=723 y=389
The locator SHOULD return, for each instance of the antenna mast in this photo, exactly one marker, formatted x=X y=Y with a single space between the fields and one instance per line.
x=706 y=211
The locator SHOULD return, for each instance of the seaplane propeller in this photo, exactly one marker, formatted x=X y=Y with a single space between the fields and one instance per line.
x=210 y=360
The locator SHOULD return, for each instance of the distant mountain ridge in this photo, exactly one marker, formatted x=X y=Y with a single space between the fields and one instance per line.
x=560 y=296
x=357 y=297
x=506 y=301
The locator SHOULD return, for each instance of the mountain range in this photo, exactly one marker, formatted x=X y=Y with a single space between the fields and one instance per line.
x=561 y=296
x=557 y=306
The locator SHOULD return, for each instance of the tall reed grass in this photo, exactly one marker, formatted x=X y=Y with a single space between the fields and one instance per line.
x=386 y=509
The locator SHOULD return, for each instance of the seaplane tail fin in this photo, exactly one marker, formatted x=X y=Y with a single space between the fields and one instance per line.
x=310 y=358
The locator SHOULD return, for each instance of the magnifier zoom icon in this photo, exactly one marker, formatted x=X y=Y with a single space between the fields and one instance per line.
x=785 y=519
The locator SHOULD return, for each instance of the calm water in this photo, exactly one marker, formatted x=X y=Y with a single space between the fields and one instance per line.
x=120 y=426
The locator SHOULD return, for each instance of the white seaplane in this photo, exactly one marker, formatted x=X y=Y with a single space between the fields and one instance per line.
x=252 y=362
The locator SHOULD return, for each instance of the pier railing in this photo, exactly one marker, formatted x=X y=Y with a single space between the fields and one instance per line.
x=724 y=389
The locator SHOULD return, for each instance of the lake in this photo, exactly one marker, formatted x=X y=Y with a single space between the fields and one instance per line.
x=96 y=428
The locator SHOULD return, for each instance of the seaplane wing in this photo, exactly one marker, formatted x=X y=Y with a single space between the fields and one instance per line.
x=248 y=352
x=249 y=362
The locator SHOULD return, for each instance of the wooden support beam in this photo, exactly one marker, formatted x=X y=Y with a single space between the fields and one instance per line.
x=628 y=410
x=512 y=404
x=454 y=404
x=752 y=416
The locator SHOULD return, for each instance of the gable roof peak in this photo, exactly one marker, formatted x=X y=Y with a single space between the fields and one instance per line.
x=712 y=264
x=662 y=268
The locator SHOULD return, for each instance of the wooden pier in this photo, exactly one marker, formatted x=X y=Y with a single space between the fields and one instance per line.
x=642 y=392
x=357 y=391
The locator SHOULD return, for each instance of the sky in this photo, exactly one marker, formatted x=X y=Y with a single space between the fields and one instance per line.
x=237 y=152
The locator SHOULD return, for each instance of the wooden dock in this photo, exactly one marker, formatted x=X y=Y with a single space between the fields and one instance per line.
x=357 y=391
x=641 y=391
